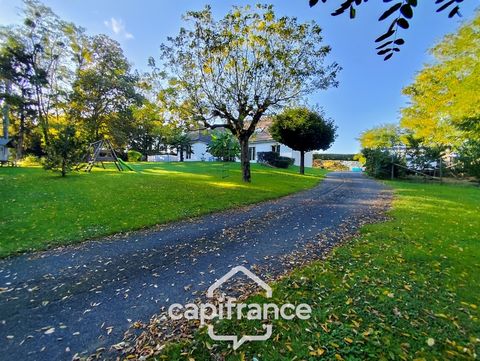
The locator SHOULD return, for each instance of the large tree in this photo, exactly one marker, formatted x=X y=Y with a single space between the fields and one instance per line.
x=104 y=90
x=44 y=36
x=45 y=50
x=229 y=72
x=148 y=129
x=17 y=81
x=303 y=130
x=444 y=98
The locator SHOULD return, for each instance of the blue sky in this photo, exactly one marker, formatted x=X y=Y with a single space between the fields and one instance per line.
x=370 y=89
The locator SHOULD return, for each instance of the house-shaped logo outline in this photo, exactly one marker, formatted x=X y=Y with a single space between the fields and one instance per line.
x=268 y=291
x=233 y=272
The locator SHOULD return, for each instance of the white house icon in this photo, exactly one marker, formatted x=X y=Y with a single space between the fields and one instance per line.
x=210 y=293
x=233 y=272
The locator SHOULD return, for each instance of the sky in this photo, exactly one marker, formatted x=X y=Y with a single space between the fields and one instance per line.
x=369 y=92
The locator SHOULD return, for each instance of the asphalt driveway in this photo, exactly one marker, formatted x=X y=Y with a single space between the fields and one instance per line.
x=78 y=299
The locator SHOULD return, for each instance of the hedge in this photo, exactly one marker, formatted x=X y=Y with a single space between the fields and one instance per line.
x=331 y=156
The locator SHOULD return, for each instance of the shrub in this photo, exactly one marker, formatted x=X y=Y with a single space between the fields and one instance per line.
x=274 y=159
x=283 y=162
x=470 y=158
x=330 y=156
x=379 y=163
x=224 y=146
x=65 y=151
x=30 y=160
x=330 y=165
x=134 y=156
x=267 y=157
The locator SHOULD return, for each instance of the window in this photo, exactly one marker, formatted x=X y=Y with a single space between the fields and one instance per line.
x=251 y=153
x=276 y=148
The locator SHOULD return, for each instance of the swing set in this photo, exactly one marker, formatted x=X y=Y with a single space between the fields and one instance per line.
x=102 y=151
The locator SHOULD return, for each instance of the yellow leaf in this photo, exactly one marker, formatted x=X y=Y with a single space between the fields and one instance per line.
x=317 y=352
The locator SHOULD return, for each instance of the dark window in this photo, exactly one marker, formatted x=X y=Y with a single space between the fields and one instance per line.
x=276 y=148
x=251 y=153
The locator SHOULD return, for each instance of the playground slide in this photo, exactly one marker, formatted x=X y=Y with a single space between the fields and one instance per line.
x=124 y=164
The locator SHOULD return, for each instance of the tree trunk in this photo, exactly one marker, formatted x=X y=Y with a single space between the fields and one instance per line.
x=302 y=162
x=244 y=159
x=181 y=153
x=21 y=135
x=64 y=167
x=6 y=111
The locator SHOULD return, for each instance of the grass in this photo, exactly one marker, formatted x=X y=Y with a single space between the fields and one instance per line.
x=40 y=209
x=406 y=289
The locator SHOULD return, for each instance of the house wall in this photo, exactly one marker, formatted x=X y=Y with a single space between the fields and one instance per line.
x=162 y=158
x=3 y=153
x=200 y=153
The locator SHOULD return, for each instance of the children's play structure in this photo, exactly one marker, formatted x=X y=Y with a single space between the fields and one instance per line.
x=102 y=151
x=5 y=142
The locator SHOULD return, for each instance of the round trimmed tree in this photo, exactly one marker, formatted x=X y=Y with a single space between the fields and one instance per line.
x=303 y=130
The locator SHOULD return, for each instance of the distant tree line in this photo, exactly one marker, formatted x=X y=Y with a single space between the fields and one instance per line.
x=216 y=73
x=62 y=89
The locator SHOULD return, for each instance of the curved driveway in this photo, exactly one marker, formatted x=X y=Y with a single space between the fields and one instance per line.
x=78 y=299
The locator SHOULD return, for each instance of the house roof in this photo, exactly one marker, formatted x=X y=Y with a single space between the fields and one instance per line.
x=262 y=133
x=6 y=142
x=200 y=136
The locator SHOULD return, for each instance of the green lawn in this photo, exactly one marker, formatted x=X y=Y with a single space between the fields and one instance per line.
x=41 y=209
x=407 y=289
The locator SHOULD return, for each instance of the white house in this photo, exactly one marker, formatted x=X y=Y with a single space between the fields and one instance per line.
x=261 y=141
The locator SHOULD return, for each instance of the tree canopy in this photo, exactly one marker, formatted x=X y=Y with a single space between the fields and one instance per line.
x=303 y=130
x=55 y=76
x=442 y=119
x=229 y=72
x=224 y=146
x=382 y=136
x=104 y=88
x=444 y=98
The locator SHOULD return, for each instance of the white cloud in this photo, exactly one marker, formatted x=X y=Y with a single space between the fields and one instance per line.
x=118 y=27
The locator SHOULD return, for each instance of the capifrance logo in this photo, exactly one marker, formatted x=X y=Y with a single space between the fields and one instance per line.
x=227 y=308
